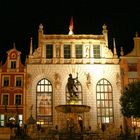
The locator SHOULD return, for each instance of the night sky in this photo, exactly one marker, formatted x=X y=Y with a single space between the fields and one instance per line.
x=19 y=20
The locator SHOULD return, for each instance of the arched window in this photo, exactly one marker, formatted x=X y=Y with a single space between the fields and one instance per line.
x=104 y=102
x=44 y=102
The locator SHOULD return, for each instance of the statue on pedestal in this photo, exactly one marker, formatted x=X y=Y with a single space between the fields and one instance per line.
x=71 y=85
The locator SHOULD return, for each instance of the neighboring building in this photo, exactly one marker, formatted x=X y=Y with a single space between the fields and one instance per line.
x=12 y=89
x=86 y=56
x=130 y=69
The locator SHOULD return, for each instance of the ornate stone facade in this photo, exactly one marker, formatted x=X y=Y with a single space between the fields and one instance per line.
x=88 y=55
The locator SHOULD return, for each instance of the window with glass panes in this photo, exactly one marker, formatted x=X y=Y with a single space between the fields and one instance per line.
x=20 y=119
x=17 y=99
x=6 y=81
x=49 y=51
x=79 y=51
x=44 y=102
x=104 y=102
x=132 y=67
x=1 y=120
x=96 y=51
x=5 y=100
x=18 y=81
x=131 y=80
x=13 y=64
x=67 y=52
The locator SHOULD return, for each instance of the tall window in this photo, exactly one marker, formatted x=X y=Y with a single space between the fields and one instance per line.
x=6 y=81
x=96 y=51
x=13 y=64
x=44 y=102
x=20 y=119
x=1 y=120
x=18 y=81
x=49 y=51
x=17 y=99
x=104 y=101
x=67 y=51
x=5 y=100
x=79 y=51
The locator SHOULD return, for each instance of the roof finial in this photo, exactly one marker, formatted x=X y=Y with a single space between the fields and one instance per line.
x=71 y=26
x=31 y=46
x=114 y=46
x=137 y=34
x=122 y=53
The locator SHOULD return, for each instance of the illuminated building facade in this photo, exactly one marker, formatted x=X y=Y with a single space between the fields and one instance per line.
x=12 y=89
x=130 y=69
x=86 y=56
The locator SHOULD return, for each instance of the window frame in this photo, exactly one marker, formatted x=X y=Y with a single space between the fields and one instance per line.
x=79 y=51
x=104 y=102
x=49 y=51
x=44 y=92
x=3 y=80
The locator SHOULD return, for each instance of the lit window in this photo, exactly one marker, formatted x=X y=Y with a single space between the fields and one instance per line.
x=20 y=119
x=66 y=51
x=135 y=122
x=44 y=102
x=1 y=120
x=131 y=80
x=96 y=51
x=104 y=102
x=79 y=51
x=49 y=51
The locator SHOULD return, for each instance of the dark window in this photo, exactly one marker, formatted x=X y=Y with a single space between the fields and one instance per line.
x=18 y=100
x=96 y=51
x=49 y=51
x=6 y=81
x=13 y=64
x=18 y=81
x=132 y=67
x=44 y=102
x=67 y=51
x=104 y=102
x=5 y=100
x=79 y=51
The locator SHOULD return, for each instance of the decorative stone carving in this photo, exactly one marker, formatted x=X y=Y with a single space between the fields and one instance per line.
x=57 y=80
x=37 y=53
x=118 y=80
x=88 y=77
x=107 y=53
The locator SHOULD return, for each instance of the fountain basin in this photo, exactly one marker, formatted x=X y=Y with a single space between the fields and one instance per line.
x=72 y=108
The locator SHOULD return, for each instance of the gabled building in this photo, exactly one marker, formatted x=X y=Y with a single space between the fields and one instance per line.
x=87 y=57
x=12 y=89
x=130 y=70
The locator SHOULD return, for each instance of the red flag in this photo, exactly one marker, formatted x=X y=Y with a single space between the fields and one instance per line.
x=71 y=24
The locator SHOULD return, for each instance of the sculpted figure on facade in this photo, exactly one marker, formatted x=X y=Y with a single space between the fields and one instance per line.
x=37 y=53
x=71 y=85
x=57 y=80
